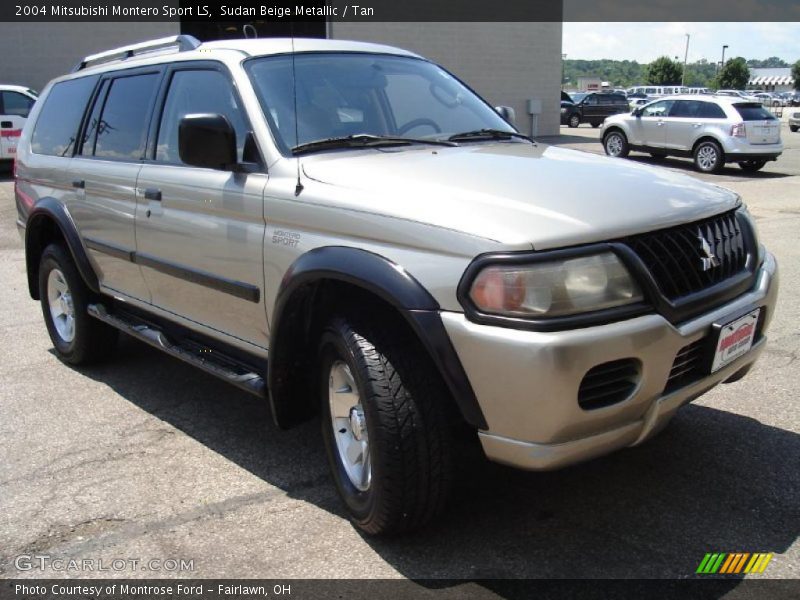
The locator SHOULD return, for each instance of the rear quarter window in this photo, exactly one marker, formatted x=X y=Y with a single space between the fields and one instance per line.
x=709 y=110
x=59 y=119
x=754 y=112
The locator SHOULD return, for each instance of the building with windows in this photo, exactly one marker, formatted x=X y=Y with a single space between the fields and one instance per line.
x=507 y=63
x=771 y=80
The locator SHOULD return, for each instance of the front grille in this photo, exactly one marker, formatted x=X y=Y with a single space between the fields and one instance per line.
x=692 y=257
x=687 y=366
x=609 y=383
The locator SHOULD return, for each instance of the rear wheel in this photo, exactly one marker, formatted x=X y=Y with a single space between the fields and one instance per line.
x=386 y=435
x=77 y=337
x=793 y=128
x=752 y=165
x=595 y=125
x=708 y=157
x=574 y=121
x=616 y=144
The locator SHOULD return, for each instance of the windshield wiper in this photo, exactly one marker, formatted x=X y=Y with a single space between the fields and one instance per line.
x=365 y=140
x=487 y=134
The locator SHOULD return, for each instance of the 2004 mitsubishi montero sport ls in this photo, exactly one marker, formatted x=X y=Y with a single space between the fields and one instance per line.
x=347 y=229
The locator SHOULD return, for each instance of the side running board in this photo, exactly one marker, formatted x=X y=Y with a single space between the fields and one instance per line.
x=195 y=354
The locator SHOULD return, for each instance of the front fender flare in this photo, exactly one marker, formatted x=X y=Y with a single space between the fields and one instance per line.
x=394 y=285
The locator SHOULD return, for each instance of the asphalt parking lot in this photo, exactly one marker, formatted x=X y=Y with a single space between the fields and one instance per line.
x=146 y=458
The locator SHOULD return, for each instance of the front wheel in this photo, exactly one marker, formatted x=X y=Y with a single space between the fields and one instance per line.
x=595 y=125
x=752 y=165
x=77 y=337
x=383 y=424
x=616 y=144
x=708 y=157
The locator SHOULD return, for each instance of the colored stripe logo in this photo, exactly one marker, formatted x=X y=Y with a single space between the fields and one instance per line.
x=732 y=563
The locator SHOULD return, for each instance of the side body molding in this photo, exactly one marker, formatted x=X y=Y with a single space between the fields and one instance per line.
x=46 y=211
x=379 y=276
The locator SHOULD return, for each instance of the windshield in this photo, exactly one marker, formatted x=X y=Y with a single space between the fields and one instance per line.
x=578 y=97
x=347 y=94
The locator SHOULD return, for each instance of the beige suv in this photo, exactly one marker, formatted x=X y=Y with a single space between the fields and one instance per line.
x=347 y=230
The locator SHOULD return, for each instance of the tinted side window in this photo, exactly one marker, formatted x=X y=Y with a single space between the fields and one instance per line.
x=93 y=123
x=192 y=92
x=17 y=104
x=686 y=108
x=59 y=119
x=590 y=100
x=122 y=128
x=658 y=109
x=709 y=110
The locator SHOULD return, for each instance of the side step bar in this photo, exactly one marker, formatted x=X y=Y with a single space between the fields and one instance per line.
x=190 y=352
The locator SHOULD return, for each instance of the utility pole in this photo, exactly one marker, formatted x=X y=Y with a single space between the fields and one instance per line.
x=722 y=62
x=685 y=58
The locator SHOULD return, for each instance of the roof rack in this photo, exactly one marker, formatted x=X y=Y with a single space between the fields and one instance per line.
x=183 y=43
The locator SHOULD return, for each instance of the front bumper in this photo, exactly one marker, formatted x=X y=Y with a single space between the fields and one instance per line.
x=527 y=382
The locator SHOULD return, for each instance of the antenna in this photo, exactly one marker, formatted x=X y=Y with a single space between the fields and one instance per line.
x=299 y=187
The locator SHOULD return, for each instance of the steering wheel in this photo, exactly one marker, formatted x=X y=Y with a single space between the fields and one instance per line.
x=419 y=123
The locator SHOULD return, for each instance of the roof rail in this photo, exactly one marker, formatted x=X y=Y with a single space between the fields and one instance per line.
x=183 y=43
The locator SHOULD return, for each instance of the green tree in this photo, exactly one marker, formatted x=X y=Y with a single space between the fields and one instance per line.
x=796 y=74
x=769 y=63
x=664 y=71
x=733 y=75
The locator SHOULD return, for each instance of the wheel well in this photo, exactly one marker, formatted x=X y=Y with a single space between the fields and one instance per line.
x=293 y=349
x=707 y=138
x=613 y=128
x=41 y=232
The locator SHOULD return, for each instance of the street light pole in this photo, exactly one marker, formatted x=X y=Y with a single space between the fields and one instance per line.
x=722 y=63
x=685 y=58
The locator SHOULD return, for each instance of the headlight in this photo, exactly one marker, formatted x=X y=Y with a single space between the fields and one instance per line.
x=555 y=288
x=563 y=109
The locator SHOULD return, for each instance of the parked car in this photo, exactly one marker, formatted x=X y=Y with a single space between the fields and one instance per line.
x=793 y=99
x=593 y=108
x=346 y=230
x=712 y=130
x=15 y=105
x=766 y=98
x=794 y=121
x=736 y=94
x=635 y=103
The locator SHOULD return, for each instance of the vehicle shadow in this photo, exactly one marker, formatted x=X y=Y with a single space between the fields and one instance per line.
x=713 y=481
x=686 y=164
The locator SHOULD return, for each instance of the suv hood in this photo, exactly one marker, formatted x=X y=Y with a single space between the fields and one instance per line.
x=518 y=194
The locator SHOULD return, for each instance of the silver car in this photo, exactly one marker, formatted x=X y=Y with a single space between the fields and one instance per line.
x=713 y=130
x=346 y=230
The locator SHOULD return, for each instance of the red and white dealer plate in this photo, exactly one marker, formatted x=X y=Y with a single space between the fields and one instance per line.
x=735 y=340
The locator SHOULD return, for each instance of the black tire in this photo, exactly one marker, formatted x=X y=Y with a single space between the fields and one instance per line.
x=409 y=439
x=92 y=340
x=752 y=165
x=595 y=125
x=708 y=157
x=793 y=128
x=574 y=120
x=616 y=144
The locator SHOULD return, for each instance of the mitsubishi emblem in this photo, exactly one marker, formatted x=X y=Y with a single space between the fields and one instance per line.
x=710 y=260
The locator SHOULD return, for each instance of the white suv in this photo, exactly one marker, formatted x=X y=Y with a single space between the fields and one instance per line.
x=15 y=104
x=712 y=130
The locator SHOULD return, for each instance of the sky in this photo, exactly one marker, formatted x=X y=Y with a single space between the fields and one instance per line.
x=644 y=42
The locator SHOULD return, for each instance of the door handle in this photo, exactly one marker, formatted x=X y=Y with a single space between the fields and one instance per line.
x=697 y=124
x=6 y=124
x=660 y=123
x=152 y=194
x=78 y=184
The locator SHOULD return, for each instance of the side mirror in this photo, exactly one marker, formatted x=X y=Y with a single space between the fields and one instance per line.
x=507 y=113
x=637 y=112
x=207 y=140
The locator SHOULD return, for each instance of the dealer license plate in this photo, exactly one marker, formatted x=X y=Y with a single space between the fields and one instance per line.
x=735 y=340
